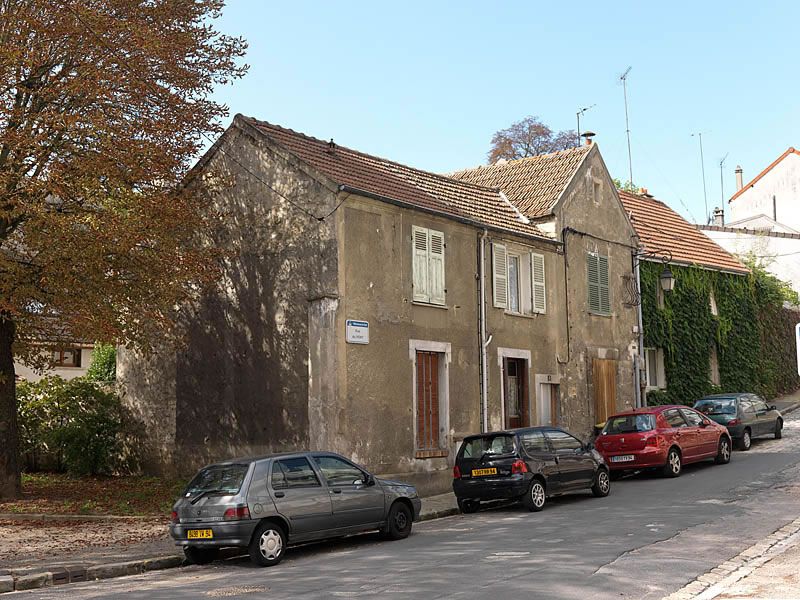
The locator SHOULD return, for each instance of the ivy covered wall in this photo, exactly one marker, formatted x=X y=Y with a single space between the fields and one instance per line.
x=753 y=333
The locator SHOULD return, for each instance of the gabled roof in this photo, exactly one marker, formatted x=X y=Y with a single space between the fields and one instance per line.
x=391 y=181
x=533 y=184
x=661 y=229
x=774 y=163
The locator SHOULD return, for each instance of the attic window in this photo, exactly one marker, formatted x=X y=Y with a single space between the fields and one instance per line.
x=596 y=194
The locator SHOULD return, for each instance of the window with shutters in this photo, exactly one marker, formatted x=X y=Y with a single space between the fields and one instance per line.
x=428 y=265
x=597 y=278
x=518 y=281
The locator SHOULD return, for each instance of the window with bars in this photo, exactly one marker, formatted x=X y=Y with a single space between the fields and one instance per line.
x=597 y=275
x=428 y=400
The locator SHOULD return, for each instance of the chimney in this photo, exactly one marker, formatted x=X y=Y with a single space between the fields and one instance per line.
x=588 y=135
x=739 y=183
x=644 y=192
x=719 y=217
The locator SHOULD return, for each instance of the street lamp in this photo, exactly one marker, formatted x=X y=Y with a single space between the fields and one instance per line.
x=667 y=279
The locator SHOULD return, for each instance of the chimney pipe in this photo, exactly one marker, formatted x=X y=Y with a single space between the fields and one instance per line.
x=588 y=135
x=719 y=217
x=739 y=183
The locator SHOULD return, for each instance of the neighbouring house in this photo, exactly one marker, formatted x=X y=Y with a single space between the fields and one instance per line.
x=765 y=218
x=66 y=361
x=717 y=330
x=385 y=312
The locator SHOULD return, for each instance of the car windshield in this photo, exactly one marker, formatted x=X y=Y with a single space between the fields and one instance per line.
x=629 y=424
x=716 y=406
x=490 y=444
x=218 y=478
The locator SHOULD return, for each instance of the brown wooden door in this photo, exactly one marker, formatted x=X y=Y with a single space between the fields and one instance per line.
x=604 y=375
x=516 y=392
x=427 y=400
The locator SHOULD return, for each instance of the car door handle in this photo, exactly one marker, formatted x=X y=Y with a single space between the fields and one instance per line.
x=556 y=459
x=335 y=491
x=279 y=494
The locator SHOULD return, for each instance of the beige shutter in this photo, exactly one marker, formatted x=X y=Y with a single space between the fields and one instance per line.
x=420 y=264
x=539 y=295
x=436 y=267
x=500 y=275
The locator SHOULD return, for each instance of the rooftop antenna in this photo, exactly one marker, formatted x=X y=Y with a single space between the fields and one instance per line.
x=699 y=134
x=578 y=115
x=721 y=181
x=624 y=79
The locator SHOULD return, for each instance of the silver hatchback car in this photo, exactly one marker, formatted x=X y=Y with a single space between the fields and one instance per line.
x=266 y=503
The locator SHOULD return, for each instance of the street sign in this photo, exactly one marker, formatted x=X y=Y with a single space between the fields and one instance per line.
x=797 y=341
x=357 y=332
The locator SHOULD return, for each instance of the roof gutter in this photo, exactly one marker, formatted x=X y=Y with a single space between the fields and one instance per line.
x=459 y=219
x=682 y=263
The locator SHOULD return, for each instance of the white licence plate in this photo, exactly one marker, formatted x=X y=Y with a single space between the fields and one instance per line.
x=622 y=458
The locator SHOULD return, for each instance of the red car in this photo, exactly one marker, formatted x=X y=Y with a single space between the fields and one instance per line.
x=663 y=437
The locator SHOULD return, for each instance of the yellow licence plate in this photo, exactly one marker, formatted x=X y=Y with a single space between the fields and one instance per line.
x=200 y=534
x=479 y=472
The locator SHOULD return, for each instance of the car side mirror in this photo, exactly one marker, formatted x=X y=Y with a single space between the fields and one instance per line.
x=589 y=446
x=368 y=479
x=773 y=407
x=703 y=424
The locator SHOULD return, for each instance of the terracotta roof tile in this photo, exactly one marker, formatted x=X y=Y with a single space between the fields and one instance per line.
x=660 y=228
x=391 y=180
x=533 y=184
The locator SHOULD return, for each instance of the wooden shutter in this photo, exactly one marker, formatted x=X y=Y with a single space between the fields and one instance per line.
x=602 y=284
x=427 y=400
x=591 y=277
x=604 y=381
x=420 y=264
x=538 y=292
x=500 y=275
x=436 y=267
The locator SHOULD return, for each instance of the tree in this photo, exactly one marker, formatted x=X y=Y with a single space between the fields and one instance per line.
x=628 y=186
x=103 y=105
x=529 y=137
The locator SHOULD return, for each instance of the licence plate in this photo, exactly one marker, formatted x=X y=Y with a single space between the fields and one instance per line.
x=623 y=458
x=479 y=472
x=200 y=534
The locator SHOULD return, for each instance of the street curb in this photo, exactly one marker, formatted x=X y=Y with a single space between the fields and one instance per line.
x=438 y=514
x=51 y=517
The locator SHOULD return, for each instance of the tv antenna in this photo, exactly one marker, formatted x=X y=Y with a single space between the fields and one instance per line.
x=578 y=115
x=721 y=181
x=624 y=79
x=699 y=135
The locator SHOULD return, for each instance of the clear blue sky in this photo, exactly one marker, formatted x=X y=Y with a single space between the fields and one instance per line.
x=427 y=83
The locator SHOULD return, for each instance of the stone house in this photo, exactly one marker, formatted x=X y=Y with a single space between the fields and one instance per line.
x=385 y=312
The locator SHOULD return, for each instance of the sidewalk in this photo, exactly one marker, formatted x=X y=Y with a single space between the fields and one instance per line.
x=787 y=403
x=53 y=542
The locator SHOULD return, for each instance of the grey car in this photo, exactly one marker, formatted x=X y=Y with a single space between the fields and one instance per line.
x=745 y=415
x=269 y=502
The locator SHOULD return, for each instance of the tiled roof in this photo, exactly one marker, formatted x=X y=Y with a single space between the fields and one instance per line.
x=660 y=229
x=393 y=181
x=774 y=163
x=533 y=184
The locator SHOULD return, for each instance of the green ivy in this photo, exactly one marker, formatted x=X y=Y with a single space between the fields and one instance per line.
x=753 y=333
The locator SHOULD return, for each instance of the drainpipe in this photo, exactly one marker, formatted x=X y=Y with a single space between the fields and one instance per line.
x=641 y=399
x=484 y=341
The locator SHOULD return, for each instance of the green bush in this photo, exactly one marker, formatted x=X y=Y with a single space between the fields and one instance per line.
x=69 y=425
x=658 y=398
x=104 y=363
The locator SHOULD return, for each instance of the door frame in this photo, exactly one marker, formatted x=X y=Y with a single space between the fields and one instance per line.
x=540 y=380
x=502 y=354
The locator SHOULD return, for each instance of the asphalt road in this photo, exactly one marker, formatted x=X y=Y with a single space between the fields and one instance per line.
x=647 y=539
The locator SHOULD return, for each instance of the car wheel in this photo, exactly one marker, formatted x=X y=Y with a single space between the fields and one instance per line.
x=535 y=497
x=672 y=468
x=723 y=451
x=398 y=524
x=746 y=441
x=778 y=429
x=200 y=556
x=268 y=545
x=468 y=506
x=602 y=484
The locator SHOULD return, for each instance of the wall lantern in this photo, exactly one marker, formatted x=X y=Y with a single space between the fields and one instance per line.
x=667 y=279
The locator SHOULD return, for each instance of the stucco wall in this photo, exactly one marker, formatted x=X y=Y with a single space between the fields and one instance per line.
x=25 y=372
x=783 y=182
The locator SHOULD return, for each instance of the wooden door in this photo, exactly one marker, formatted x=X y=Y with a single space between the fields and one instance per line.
x=604 y=377
x=427 y=400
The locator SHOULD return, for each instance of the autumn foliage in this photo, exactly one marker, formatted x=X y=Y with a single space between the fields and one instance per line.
x=103 y=106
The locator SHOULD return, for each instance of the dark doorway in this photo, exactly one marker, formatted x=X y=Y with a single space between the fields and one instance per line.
x=515 y=391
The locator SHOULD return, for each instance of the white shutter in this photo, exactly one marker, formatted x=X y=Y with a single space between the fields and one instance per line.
x=436 y=267
x=419 y=243
x=500 y=275
x=539 y=296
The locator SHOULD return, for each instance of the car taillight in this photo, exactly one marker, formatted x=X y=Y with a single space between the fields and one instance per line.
x=456 y=472
x=733 y=422
x=174 y=517
x=519 y=466
x=653 y=440
x=237 y=512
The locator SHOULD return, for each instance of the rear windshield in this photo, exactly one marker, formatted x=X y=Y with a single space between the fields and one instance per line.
x=629 y=424
x=502 y=443
x=716 y=406
x=218 y=478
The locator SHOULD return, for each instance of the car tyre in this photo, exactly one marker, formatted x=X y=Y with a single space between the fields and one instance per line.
x=200 y=556
x=468 y=506
x=723 y=451
x=778 y=429
x=268 y=545
x=746 y=441
x=602 y=484
x=398 y=524
x=535 y=498
x=673 y=466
